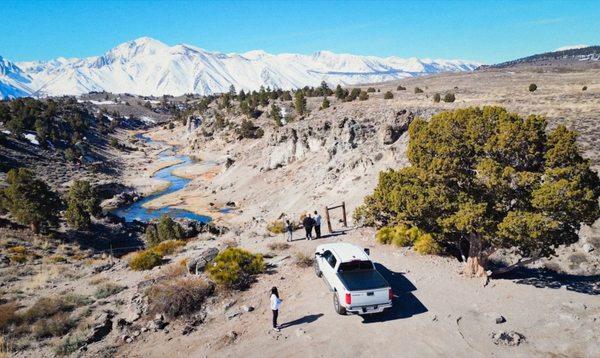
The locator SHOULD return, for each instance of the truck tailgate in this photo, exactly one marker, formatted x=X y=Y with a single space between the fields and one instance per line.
x=370 y=297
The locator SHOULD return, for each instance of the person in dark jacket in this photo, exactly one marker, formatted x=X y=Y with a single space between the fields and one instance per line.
x=308 y=224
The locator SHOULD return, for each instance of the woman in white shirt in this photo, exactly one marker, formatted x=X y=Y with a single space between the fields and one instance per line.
x=275 y=304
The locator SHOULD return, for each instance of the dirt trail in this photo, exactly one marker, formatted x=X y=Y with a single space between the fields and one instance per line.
x=437 y=312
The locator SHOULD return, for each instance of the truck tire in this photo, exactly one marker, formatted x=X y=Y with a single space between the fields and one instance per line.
x=317 y=271
x=336 y=304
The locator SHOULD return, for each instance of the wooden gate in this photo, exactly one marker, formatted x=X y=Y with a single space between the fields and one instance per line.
x=328 y=218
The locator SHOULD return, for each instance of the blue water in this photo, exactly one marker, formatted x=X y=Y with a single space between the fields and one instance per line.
x=136 y=211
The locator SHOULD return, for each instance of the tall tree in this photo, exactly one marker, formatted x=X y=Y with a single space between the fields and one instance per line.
x=29 y=200
x=82 y=204
x=492 y=179
x=300 y=102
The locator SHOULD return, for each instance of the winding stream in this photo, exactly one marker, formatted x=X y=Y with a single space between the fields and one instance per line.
x=136 y=211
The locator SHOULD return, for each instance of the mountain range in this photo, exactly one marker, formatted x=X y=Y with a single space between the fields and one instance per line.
x=149 y=67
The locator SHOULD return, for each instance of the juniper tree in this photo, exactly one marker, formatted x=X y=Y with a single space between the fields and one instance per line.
x=325 y=103
x=82 y=204
x=492 y=179
x=276 y=114
x=29 y=200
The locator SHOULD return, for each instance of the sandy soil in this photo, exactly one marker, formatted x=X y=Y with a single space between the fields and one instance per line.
x=437 y=312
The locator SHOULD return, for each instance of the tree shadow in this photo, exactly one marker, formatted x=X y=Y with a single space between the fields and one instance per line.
x=404 y=304
x=306 y=319
x=544 y=278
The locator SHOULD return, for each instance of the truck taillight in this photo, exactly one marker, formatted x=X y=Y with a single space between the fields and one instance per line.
x=348 y=298
x=391 y=294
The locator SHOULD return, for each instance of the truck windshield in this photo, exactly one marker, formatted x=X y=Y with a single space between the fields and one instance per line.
x=355 y=266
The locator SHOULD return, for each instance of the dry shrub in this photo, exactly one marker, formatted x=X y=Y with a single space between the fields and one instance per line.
x=4 y=347
x=180 y=296
x=278 y=246
x=49 y=306
x=71 y=343
x=108 y=289
x=8 y=315
x=174 y=270
x=145 y=260
x=168 y=247
x=230 y=243
x=54 y=326
x=276 y=227
x=304 y=260
x=18 y=250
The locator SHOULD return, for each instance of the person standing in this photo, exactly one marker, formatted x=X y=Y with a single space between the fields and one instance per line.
x=275 y=304
x=317 y=225
x=308 y=224
x=289 y=228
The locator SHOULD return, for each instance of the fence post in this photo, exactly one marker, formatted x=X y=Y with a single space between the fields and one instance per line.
x=344 y=213
x=328 y=220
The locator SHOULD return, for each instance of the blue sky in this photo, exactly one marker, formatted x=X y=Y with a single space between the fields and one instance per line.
x=487 y=31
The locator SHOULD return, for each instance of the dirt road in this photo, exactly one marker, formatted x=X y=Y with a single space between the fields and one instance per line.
x=437 y=312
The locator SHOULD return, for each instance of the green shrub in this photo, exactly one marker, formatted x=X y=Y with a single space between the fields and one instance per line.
x=449 y=97
x=401 y=88
x=82 y=203
x=276 y=227
x=388 y=95
x=145 y=260
x=166 y=229
x=325 y=103
x=370 y=89
x=70 y=344
x=532 y=87
x=178 y=297
x=168 y=247
x=399 y=235
x=584 y=88
x=437 y=98
x=234 y=267
x=426 y=245
x=54 y=326
x=418 y=90
x=363 y=96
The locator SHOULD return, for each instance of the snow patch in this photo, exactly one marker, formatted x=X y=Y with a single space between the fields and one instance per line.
x=571 y=47
x=31 y=138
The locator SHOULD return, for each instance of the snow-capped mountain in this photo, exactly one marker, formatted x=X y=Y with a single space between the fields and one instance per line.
x=13 y=82
x=149 y=67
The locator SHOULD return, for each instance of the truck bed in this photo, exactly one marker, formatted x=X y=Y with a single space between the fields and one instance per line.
x=362 y=280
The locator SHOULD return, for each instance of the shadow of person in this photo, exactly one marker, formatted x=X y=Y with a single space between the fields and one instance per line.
x=306 y=319
x=404 y=303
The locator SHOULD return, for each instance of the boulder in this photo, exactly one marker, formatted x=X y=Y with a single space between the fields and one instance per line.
x=102 y=327
x=197 y=264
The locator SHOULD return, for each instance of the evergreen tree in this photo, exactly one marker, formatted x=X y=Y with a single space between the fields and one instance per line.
x=276 y=114
x=363 y=96
x=300 y=102
x=286 y=96
x=437 y=98
x=232 y=91
x=82 y=203
x=325 y=103
x=29 y=200
x=339 y=92
x=388 y=95
x=491 y=179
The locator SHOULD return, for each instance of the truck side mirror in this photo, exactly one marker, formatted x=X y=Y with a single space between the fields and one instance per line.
x=368 y=251
x=318 y=254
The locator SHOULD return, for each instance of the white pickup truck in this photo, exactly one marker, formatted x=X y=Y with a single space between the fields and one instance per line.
x=356 y=285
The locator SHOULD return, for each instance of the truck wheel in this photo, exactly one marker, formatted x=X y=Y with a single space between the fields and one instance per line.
x=317 y=271
x=336 y=304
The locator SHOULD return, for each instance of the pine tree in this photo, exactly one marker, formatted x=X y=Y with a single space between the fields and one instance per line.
x=388 y=95
x=300 y=102
x=363 y=96
x=232 y=91
x=276 y=114
x=325 y=103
